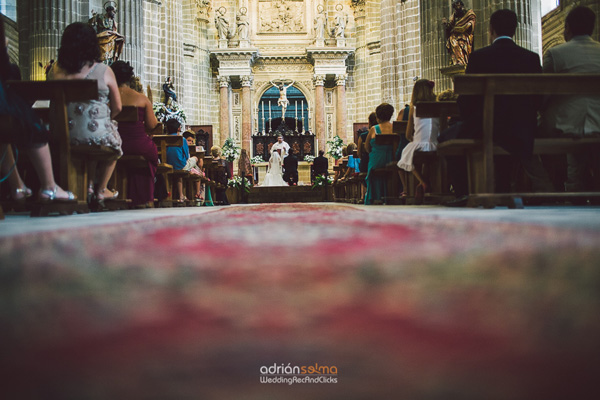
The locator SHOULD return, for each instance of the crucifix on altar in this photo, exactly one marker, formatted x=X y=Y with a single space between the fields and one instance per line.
x=283 y=101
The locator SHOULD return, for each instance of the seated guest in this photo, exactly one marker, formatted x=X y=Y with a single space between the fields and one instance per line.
x=574 y=115
x=90 y=122
x=514 y=127
x=320 y=165
x=362 y=142
x=140 y=182
x=422 y=134
x=221 y=176
x=379 y=155
x=32 y=137
x=353 y=162
x=290 y=166
x=194 y=164
x=178 y=156
x=340 y=173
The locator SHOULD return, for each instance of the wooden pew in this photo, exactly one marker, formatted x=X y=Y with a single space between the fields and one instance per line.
x=162 y=142
x=390 y=171
x=70 y=171
x=480 y=153
x=126 y=162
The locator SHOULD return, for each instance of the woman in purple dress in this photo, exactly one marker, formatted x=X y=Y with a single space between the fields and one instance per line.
x=140 y=182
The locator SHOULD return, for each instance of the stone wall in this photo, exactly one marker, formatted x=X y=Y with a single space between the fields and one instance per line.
x=553 y=23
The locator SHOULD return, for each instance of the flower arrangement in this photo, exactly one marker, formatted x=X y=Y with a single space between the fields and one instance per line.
x=236 y=182
x=309 y=159
x=335 y=147
x=231 y=151
x=163 y=113
x=321 y=180
x=256 y=160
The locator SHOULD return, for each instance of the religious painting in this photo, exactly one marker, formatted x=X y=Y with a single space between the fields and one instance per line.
x=281 y=16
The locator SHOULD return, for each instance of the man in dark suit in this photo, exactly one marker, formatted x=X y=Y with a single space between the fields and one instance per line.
x=320 y=165
x=515 y=117
x=290 y=166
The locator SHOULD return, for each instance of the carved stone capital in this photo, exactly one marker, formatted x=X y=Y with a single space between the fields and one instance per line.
x=223 y=81
x=247 y=80
x=319 y=80
x=340 y=79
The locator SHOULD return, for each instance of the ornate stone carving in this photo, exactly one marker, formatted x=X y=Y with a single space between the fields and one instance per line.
x=340 y=79
x=223 y=81
x=281 y=16
x=202 y=10
x=247 y=80
x=319 y=80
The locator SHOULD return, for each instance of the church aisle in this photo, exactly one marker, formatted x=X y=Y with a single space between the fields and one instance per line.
x=234 y=302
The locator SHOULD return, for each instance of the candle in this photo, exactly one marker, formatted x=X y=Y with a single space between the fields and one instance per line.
x=302 y=111
x=270 y=117
x=316 y=146
x=263 y=118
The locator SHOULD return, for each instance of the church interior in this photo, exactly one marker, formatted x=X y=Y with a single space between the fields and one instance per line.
x=300 y=291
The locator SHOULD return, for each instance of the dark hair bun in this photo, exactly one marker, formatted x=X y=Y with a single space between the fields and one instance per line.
x=123 y=71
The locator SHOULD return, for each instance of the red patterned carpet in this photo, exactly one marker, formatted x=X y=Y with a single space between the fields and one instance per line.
x=206 y=307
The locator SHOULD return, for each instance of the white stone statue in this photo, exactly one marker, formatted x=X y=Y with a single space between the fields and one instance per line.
x=243 y=24
x=283 y=102
x=320 y=23
x=222 y=24
x=341 y=20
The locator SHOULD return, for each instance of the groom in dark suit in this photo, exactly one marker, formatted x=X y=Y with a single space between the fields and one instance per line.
x=515 y=117
x=290 y=166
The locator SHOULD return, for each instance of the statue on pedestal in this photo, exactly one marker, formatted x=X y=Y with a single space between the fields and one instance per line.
x=110 y=41
x=168 y=88
x=341 y=20
x=459 y=33
x=222 y=24
x=243 y=25
x=320 y=24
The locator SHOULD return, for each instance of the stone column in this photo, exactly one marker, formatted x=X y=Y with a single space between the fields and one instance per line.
x=319 y=82
x=40 y=29
x=341 y=109
x=130 y=21
x=224 y=108
x=246 y=112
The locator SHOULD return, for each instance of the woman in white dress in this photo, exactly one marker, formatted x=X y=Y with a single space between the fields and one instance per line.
x=422 y=134
x=274 y=175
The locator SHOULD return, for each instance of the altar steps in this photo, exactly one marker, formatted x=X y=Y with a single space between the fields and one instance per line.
x=287 y=194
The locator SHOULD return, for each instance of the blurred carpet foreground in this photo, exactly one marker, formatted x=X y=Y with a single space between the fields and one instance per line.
x=395 y=308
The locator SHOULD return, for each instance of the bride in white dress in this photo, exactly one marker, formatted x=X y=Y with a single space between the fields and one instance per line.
x=274 y=175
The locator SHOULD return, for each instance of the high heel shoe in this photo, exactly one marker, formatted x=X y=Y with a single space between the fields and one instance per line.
x=49 y=195
x=20 y=194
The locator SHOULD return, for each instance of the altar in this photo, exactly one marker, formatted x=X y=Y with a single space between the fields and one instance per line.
x=303 y=144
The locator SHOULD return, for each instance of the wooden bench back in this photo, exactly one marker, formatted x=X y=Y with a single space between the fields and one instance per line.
x=527 y=84
x=491 y=85
x=399 y=127
x=164 y=141
x=437 y=109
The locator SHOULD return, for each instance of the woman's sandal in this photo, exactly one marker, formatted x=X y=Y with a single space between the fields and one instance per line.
x=20 y=194
x=100 y=197
x=49 y=195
